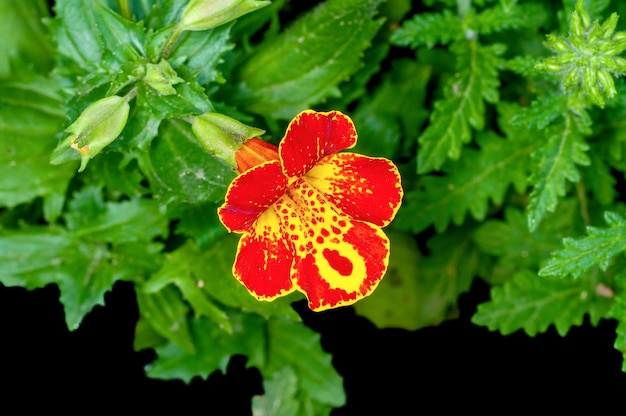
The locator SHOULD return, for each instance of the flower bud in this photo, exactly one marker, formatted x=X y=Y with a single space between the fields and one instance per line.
x=207 y=14
x=98 y=125
x=222 y=136
x=253 y=152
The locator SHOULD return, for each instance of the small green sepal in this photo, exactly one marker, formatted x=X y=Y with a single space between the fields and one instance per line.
x=222 y=136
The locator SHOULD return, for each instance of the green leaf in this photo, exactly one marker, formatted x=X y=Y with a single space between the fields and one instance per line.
x=429 y=29
x=24 y=35
x=597 y=248
x=176 y=271
x=202 y=52
x=618 y=312
x=520 y=16
x=468 y=185
x=30 y=117
x=213 y=348
x=212 y=269
x=103 y=243
x=301 y=67
x=279 y=398
x=462 y=108
x=556 y=164
x=394 y=110
x=293 y=345
x=422 y=291
x=179 y=169
x=516 y=247
x=532 y=303
x=165 y=312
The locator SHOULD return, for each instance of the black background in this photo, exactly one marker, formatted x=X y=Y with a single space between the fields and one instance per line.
x=456 y=365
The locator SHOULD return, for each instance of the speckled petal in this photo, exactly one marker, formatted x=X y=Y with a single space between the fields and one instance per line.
x=362 y=187
x=337 y=260
x=264 y=259
x=250 y=194
x=311 y=136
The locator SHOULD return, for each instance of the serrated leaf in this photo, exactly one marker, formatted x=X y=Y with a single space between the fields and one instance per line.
x=519 y=16
x=422 y=291
x=89 y=256
x=202 y=52
x=279 y=398
x=301 y=67
x=468 y=185
x=429 y=29
x=179 y=169
x=597 y=248
x=89 y=218
x=519 y=248
x=462 y=108
x=532 y=303
x=293 y=345
x=123 y=38
x=213 y=348
x=30 y=117
x=556 y=164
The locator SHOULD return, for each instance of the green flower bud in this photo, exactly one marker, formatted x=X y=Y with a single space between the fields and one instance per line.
x=550 y=64
x=571 y=79
x=608 y=27
x=595 y=34
x=221 y=135
x=161 y=77
x=606 y=81
x=98 y=125
x=582 y=16
x=557 y=43
x=207 y=14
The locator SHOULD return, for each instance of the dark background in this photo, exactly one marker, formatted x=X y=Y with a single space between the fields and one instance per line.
x=456 y=365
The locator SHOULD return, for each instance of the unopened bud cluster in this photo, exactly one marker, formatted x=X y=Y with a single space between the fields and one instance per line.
x=588 y=58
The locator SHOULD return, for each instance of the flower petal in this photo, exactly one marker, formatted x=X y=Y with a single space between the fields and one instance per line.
x=311 y=136
x=250 y=194
x=364 y=188
x=337 y=260
x=264 y=259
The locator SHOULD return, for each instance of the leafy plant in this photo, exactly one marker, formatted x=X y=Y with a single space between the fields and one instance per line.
x=505 y=119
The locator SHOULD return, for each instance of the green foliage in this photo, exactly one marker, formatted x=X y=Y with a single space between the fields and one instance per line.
x=530 y=303
x=510 y=144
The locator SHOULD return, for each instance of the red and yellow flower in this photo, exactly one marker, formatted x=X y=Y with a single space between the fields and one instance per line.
x=311 y=217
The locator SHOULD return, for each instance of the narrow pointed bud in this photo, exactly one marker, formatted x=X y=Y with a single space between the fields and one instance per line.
x=222 y=136
x=253 y=152
x=207 y=14
x=98 y=126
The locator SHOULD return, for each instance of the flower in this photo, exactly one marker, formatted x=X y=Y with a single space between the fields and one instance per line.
x=311 y=217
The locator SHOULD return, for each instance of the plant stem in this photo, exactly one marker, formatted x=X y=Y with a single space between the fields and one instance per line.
x=582 y=198
x=171 y=40
x=124 y=8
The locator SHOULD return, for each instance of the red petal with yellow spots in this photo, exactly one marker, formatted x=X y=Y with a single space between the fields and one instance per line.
x=362 y=187
x=251 y=194
x=311 y=136
x=338 y=260
x=264 y=259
